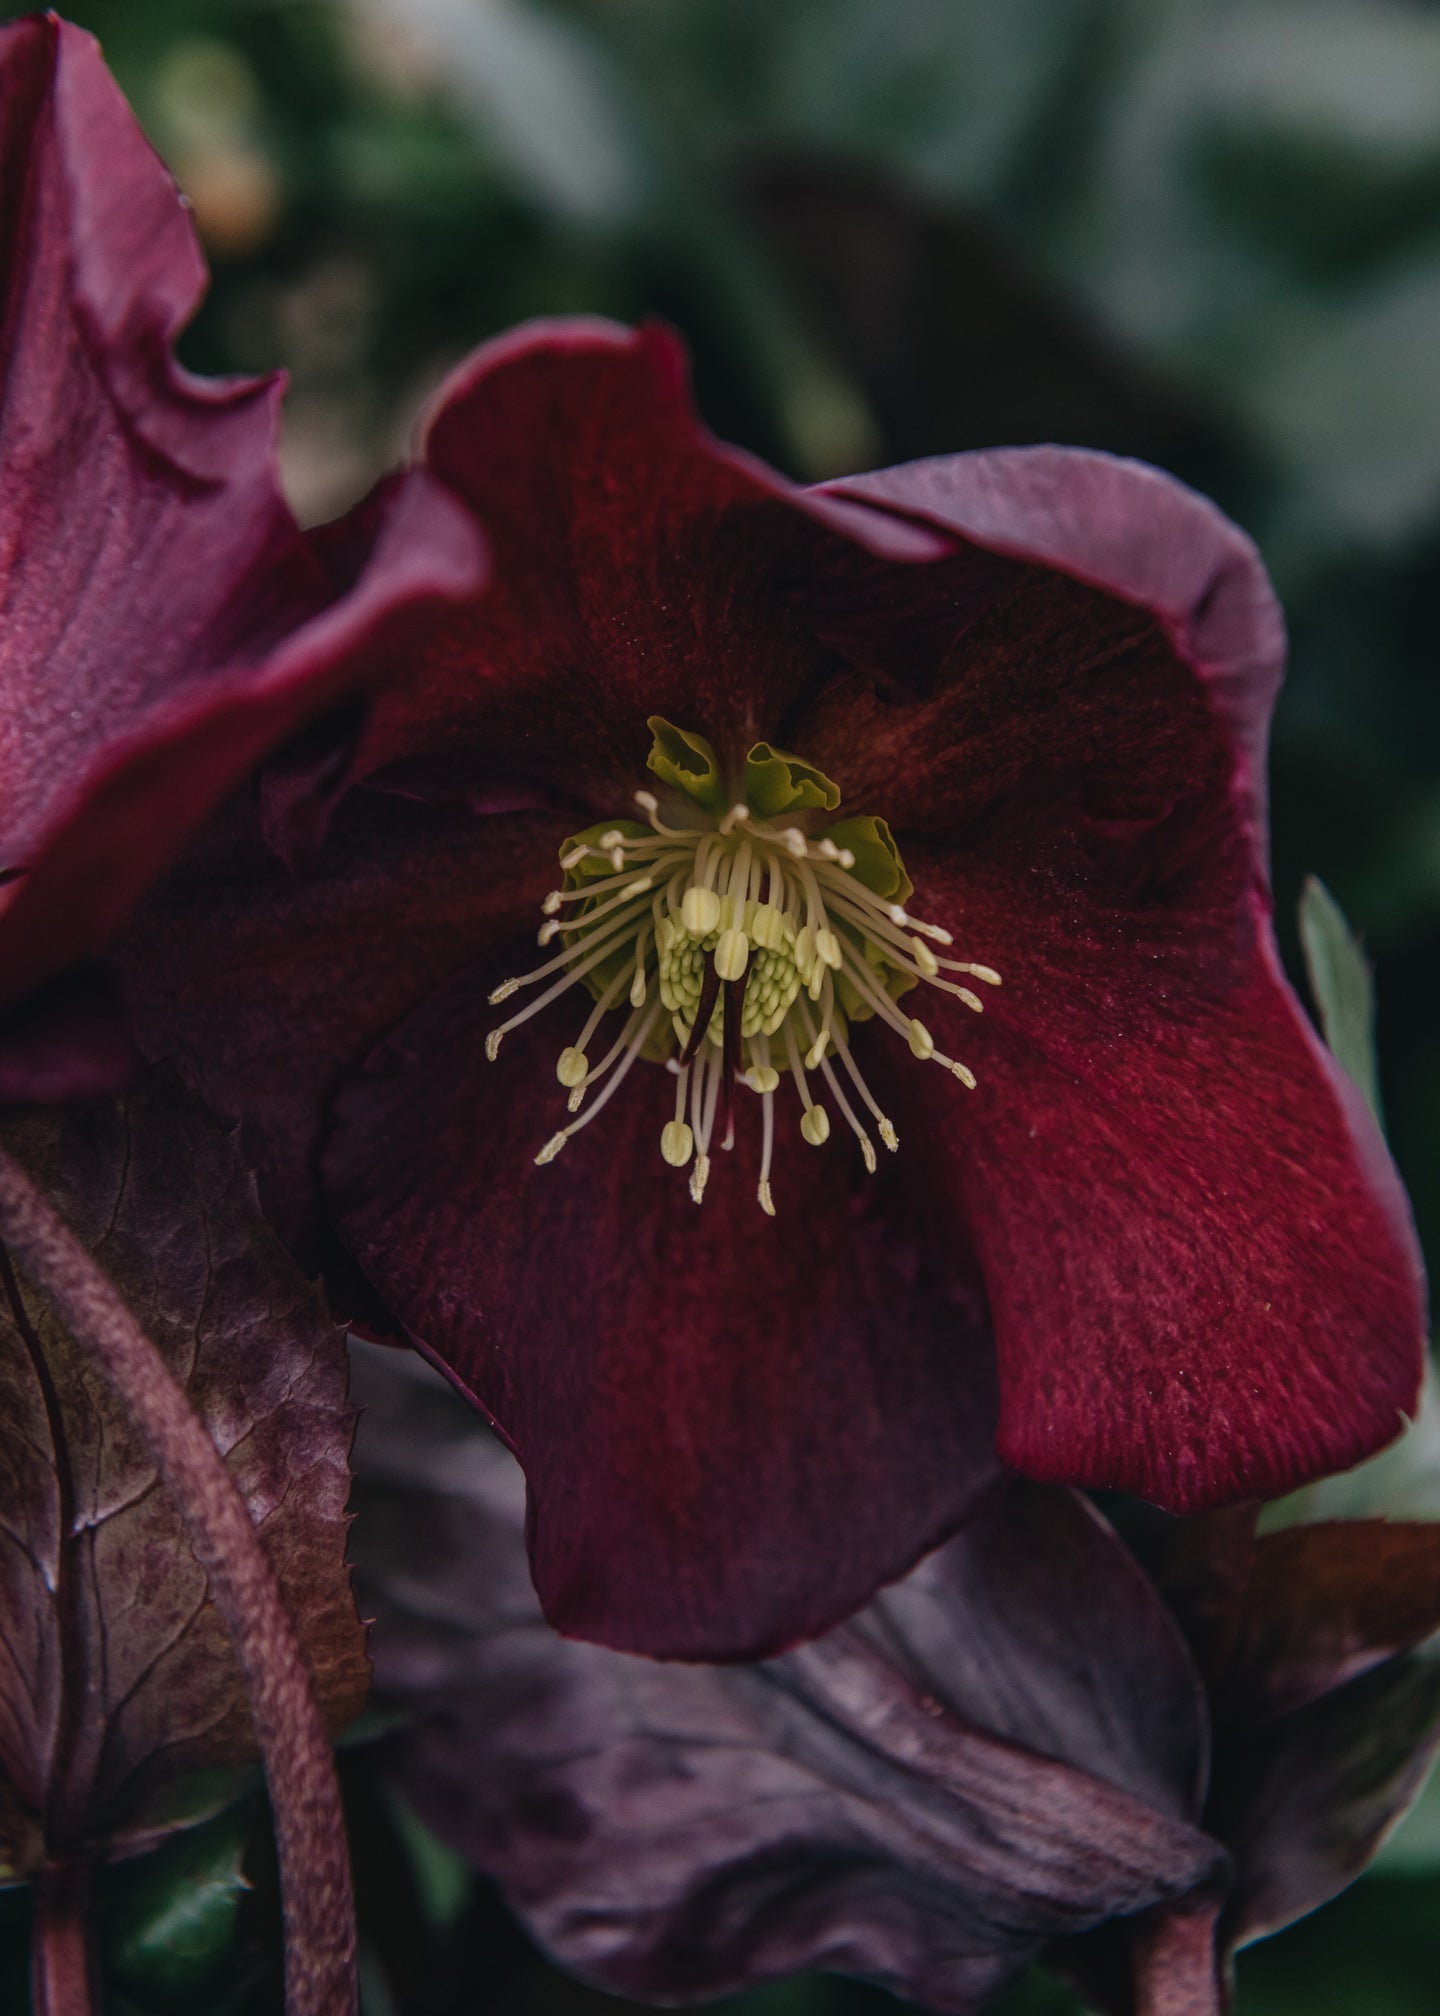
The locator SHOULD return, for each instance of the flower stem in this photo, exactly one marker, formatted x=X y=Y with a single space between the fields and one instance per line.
x=304 y=1796
x=1176 y=1969
x=61 y=1963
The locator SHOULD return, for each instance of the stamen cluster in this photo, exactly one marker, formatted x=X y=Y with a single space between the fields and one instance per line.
x=740 y=949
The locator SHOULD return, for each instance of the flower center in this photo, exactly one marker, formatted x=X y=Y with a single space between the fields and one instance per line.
x=741 y=937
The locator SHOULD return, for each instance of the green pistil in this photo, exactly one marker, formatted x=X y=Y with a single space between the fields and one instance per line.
x=746 y=905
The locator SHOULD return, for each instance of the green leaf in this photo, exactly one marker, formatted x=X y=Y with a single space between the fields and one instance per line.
x=441 y=1876
x=777 y=782
x=688 y=762
x=1340 y=982
x=168 y=1920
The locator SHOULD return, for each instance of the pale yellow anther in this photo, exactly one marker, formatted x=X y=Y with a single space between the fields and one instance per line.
x=503 y=992
x=676 y=1143
x=827 y=946
x=700 y=911
x=781 y=915
x=732 y=955
x=815 y=1125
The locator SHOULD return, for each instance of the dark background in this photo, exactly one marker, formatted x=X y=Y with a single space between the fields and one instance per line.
x=1206 y=232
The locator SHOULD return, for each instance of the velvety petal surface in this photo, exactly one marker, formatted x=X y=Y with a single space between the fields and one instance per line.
x=734 y=1428
x=640 y=567
x=1200 y=1290
x=1200 y=1263
x=678 y=1832
x=150 y=572
x=262 y=985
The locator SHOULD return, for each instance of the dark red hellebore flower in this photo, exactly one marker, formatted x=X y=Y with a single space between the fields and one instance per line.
x=793 y=784
x=164 y=624
x=1012 y=1754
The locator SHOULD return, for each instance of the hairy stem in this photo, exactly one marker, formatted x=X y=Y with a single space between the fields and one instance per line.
x=309 y=1827
x=1177 y=1971
x=61 y=1965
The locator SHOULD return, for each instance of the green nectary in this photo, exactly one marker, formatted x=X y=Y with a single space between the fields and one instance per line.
x=747 y=916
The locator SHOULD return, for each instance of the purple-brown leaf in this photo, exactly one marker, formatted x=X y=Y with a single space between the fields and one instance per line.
x=1003 y=1749
x=1305 y=1801
x=116 y=1672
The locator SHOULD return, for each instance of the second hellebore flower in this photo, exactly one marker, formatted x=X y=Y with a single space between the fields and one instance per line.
x=794 y=785
x=165 y=622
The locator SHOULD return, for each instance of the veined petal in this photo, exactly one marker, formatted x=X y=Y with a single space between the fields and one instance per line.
x=734 y=1428
x=1201 y=1268
x=641 y=567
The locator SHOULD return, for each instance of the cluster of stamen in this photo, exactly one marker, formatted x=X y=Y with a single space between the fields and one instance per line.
x=738 y=950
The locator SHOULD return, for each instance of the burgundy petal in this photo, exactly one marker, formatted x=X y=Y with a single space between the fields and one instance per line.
x=1201 y=1265
x=261 y=985
x=641 y=567
x=148 y=565
x=1141 y=536
x=923 y=1799
x=734 y=1428
x=1199 y=1262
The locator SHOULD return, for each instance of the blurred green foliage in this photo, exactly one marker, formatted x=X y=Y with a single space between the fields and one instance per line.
x=1202 y=231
